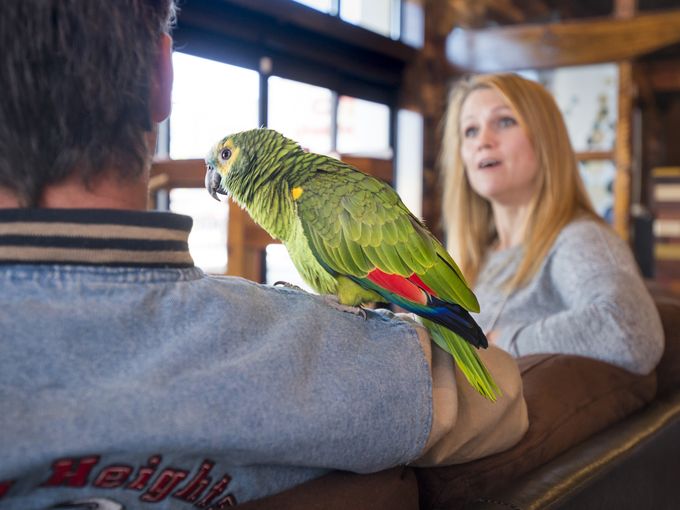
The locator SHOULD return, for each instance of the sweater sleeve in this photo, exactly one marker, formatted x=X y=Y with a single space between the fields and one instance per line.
x=606 y=313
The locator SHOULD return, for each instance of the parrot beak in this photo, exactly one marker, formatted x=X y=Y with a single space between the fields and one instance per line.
x=213 y=182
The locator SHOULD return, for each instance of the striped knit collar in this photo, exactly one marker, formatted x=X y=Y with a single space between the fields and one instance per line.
x=94 y=237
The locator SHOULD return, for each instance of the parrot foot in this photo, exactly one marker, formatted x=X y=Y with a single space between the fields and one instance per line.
x=288 y=285
x=332 y=301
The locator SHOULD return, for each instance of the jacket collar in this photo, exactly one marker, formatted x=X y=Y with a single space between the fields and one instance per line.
x=94 y=237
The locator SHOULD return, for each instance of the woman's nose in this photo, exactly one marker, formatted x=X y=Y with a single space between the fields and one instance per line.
x=486 y=138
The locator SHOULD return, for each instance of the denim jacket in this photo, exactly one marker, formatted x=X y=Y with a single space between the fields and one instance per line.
x=131 y=379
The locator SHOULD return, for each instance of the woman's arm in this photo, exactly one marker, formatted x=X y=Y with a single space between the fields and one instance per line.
x=606 y=313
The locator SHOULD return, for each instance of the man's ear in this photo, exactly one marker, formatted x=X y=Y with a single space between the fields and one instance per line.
x=161 y=81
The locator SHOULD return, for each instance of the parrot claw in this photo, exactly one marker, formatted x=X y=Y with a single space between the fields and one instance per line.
x=332 y=301
x=288 y=285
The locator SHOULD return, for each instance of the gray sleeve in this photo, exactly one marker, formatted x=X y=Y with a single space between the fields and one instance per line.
x=607 y=313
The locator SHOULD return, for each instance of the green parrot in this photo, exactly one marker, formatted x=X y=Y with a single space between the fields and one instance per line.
x=350 y=235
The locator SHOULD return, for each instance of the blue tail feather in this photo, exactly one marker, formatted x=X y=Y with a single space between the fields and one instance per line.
x=452 y=316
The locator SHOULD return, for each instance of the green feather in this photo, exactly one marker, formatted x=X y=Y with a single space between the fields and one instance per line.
x=466 y=358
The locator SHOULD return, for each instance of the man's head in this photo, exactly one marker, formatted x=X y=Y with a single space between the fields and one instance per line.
x=83 y=83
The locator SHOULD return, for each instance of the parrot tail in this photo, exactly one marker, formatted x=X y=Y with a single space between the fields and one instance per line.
x=466 y=358
x=456 y=318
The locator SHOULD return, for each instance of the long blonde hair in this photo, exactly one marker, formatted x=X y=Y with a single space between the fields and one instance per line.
x=560 y=196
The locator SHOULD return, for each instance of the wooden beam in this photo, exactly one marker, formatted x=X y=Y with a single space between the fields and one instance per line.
x=591 y=155
x=178 y=173
x=508 y=11
x=562 y=44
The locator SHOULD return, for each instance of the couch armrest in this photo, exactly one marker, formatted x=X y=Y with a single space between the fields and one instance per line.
x=634 y=464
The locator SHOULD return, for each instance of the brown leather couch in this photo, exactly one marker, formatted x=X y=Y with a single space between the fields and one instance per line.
x=599 y=437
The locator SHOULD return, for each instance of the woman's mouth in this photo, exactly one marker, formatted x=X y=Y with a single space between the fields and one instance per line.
x=488 y=163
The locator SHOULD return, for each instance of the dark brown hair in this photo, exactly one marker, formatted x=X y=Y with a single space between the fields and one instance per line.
x=74 y=88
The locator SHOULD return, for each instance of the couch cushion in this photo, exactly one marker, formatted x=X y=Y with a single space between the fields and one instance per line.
x=668 y=370
x=391 y=489
x=569 y=399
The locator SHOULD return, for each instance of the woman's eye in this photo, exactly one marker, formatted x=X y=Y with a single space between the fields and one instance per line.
x=469 y=132
x=507 y=122
x=225 y=154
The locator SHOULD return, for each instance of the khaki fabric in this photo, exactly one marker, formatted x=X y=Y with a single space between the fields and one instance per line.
x=466 y=426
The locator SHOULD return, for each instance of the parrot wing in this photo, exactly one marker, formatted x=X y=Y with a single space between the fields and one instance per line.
x=358 y=227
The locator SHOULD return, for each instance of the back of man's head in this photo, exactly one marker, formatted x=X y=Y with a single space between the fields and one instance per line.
x=75 y=86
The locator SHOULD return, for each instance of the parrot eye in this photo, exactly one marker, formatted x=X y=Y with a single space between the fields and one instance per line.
x=225 y=154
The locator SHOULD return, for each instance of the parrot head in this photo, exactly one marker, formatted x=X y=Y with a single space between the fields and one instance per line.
x=224 y=158
x=238 y=161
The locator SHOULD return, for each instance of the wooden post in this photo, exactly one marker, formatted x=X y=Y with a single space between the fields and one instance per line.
x=623 y=151
x=246 y=245
x=624 y=9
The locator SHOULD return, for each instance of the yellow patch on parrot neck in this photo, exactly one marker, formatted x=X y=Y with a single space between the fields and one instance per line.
x=296 y=192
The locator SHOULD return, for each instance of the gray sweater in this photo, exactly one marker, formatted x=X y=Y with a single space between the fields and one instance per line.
x=587 y=299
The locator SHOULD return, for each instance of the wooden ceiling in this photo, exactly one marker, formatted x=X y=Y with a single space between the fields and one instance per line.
x=488 y=13
x=500 y=35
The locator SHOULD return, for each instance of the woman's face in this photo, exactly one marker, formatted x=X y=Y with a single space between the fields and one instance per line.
x=500 y=161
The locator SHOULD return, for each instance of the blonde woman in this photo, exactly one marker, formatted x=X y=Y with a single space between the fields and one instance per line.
x=550 y=275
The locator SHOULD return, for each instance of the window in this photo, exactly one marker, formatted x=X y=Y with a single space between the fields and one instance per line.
x=396 y=19
x=381 y=16
x=319 y=5
x=409 y=167
x=413 y=23
x=587 y=96
x=598 y=176
x=208 y=238
x=363 y=128
x=301 y=112
x=209 y=101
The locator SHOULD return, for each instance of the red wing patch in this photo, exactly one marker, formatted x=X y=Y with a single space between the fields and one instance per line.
x=408 y=288
x=416 y=279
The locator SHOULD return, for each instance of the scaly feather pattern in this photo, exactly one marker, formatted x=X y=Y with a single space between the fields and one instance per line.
x=349 y=234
